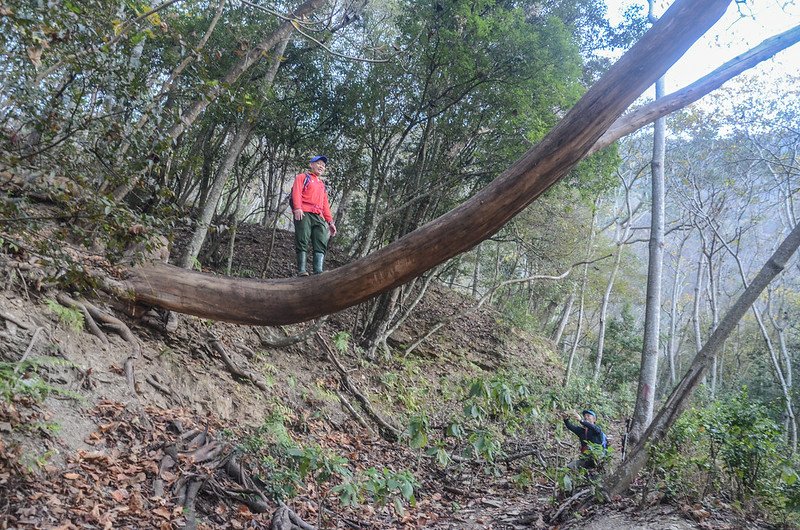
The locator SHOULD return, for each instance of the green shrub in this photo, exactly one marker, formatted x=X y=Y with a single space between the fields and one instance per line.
x=732 y=449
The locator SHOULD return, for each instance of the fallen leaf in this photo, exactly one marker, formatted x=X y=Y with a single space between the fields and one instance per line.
x=71 y=476
x=162 y=512
x=119 y=495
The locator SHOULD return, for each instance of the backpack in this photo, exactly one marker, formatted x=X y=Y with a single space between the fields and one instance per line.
x=604 y=442
x=305 y=185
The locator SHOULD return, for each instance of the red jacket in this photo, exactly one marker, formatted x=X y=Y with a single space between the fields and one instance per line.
x=312 y=199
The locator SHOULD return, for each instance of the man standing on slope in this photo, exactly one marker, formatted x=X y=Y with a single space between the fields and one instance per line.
x=587 y=432
x=312 y=215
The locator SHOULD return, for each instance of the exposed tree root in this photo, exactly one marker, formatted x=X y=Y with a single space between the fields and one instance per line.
x=388 y=431
x=271 y=341
x=153 y=380
x=354 y=412
x=285 y=519
x=92 y=314
x=572 y=502
x=232 y=368
x=89 y=321
x=14 y=320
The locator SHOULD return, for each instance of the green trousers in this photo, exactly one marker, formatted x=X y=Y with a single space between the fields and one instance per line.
x=311 y=227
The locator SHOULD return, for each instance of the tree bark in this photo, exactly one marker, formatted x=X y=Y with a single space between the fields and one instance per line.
x=672 y=344
x=648 y=370
x=622 y=477
x=285 y=301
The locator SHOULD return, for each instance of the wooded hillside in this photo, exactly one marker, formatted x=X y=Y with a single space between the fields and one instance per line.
x=484 y=158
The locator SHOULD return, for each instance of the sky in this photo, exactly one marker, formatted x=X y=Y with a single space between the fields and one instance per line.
x=742 y=27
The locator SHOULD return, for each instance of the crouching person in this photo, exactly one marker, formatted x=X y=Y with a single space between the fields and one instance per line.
x=587 y=431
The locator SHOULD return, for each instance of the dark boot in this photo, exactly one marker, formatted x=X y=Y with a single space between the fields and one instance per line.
x=301 y=264
x=319 y=261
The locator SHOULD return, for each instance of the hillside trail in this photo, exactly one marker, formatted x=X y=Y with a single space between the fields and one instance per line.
x=161 y=430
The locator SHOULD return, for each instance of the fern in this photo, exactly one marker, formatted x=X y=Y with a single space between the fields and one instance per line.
x=72 y=318
x=23 y=379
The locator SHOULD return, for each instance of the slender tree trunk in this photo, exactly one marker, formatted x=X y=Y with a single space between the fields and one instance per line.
x=601 y=333
x=214 y=193
x=476 y=270
x=698 y=285
x=672 y=350
x=578 y=331
x=712 y=288
x=240 y=139
x=648 y=371
x=618 y=482
x=562 y=323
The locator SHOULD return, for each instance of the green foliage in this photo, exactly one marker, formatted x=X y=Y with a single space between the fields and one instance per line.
x=417 y=431
x=24 y=379
x=731 y=448
x=72 y=318
x=389 y=486
x=341 y=341
x=284 y=465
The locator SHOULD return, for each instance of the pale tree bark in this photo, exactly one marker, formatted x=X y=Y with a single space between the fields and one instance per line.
x=698 y=287
x=564 y=320
x=780 y=328
x=712 y=294
x=648 y=369
x=773 y=354
x=578 y=331
x=622 y=228
x=571 y=300
x=285 y=301
x=621 y=478
x=672 y=343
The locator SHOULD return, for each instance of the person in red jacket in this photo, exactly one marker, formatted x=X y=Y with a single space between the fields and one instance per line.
x=312 y=215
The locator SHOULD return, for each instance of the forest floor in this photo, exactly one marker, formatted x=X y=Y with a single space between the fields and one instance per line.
x=163 y=429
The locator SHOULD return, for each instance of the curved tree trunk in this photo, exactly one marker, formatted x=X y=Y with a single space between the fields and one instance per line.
x=286 y=301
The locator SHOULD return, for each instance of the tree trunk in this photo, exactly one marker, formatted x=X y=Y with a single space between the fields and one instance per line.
x=601 y=332
x=672 y=344
x=648 y=370
x=562 y=323
x=234 y=151
x=622 y=477
x=286 y=301
x=214 y=193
